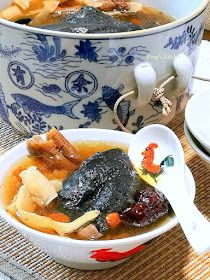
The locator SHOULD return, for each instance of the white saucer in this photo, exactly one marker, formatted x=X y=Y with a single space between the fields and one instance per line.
x=197 y=117
x=196 y=146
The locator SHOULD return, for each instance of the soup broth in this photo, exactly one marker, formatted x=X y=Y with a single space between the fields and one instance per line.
x=87 y=16
x=86 y=149
x=147 y=17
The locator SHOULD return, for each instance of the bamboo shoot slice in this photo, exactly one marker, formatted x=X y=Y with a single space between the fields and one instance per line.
x=27 y=203
x=38 y=185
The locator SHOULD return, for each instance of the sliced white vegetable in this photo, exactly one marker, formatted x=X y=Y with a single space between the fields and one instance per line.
x=57 y=185
x=25 y=201
x=24 y=204
x=11 y=208
x=38 y=186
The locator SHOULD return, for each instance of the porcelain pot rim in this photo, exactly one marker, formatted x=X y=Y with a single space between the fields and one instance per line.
x=121 y=35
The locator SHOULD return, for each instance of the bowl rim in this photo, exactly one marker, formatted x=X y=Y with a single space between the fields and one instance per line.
x=173 y=221
x=120 y=35
x=194 y=107
x=192 y=143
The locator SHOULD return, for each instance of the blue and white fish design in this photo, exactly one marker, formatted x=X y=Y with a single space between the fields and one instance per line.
x=3 y=106
x=31 y=105
x=110 y=96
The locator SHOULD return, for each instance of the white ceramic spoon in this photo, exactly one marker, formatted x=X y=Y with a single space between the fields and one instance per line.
x=171 y=183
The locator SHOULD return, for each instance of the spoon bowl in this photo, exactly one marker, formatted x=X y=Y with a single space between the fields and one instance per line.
x=154 y=148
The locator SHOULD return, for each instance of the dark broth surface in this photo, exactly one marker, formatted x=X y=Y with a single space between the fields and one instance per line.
x=12 y=184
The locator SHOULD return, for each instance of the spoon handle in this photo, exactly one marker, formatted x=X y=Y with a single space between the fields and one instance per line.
x=194 y=224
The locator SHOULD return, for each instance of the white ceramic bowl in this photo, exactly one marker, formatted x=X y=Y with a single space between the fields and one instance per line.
x=76 y=253
x=197 y=147
x=197 y=116
x=69 y=80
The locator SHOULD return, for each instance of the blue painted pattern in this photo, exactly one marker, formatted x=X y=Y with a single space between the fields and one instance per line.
x=139 y=124
x=190 y=37
x=46 y=52
x=124 y=57
x=30 y=123
x=51 y=88
x=87 y=51
x=110 y=96
x=31 y=105
x=90 y=51
x=81 y=84
x=3 y=106
x=52 y=91
x=92 y=111
x=49 y=59
x=76 y=70
x=9 y=52
x=20 y=75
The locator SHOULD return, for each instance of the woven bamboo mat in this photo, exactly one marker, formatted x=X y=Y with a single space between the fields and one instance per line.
x=168 y=257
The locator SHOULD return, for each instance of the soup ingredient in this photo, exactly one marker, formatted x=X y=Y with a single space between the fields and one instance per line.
x=113 y=219
x=91 y=20
x=57 y=185
x=64 y=146
x=25 y=21
x=25 y=4
x=149 y=205
x=104 y=5
x=49 y=6
x=59 y=217
x=56 y=151
x=27 y=202
x=49 y=152
x=110 y=224
x=114 y=5
x=89 y=232
x=40 y=188
x=21 y=9
x=12 y=13
x=24 y=203
x=84 y=16
x=106 y=181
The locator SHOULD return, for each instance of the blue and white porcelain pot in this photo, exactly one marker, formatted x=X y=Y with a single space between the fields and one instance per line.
x=51 y=78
